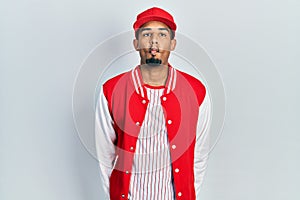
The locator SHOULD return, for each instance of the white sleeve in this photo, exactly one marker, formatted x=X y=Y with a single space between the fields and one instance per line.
x=104 y=141
x=202 y=142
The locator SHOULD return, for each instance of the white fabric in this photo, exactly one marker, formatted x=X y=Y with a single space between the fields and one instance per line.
x=202 y=142
x=104 y=139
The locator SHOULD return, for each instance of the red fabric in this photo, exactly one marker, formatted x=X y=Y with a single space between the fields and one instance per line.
x=155 y=14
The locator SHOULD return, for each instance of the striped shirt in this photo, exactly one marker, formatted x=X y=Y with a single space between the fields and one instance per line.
x=152 y=171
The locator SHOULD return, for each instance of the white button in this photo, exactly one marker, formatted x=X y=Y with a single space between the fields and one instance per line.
x=179 y=194
x=173 y=146
x=144 y=101
x=123 y=195
x=176 y=170
x=169 y=121
x=164 y=98
x=137 y=123
x=127 y=172
x=131 y=148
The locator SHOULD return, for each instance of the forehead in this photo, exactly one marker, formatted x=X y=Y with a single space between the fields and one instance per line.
x=154 y=24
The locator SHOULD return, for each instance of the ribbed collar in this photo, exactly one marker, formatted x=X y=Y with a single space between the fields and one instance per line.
x=139 y=85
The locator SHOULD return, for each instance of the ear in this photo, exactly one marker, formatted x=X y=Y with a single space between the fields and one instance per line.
x=136 y=44
x=173 y=44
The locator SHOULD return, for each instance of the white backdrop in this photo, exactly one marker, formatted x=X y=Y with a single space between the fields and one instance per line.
x=254 y=45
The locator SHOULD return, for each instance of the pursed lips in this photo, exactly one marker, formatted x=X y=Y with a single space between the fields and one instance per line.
x=153 y=51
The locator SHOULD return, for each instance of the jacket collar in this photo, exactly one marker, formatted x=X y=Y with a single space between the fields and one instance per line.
x=139 y=84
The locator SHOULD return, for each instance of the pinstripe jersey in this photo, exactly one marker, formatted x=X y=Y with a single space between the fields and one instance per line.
x=152 y=171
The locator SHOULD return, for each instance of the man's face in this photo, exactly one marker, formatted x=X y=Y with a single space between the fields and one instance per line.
x=154 y=43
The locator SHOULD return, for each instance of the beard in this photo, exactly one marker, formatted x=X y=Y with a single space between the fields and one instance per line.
x=153 y=61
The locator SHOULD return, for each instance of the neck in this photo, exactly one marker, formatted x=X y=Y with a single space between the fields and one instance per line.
x=154 y=75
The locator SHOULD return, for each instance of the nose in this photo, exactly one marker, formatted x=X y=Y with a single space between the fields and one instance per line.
x=154 y=39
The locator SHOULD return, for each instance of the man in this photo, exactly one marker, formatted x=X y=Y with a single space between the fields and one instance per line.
x=152 y=123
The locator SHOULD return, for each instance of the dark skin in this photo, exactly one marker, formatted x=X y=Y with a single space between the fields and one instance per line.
x=154 y=41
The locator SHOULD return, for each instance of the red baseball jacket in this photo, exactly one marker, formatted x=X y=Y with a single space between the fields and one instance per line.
x=126 y=100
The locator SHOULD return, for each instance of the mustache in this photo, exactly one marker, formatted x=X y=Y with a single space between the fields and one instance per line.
x=153 y=61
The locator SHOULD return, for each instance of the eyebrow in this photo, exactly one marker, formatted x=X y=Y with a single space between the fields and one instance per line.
x=148 y=29
x=145 y=29
x=161 y=29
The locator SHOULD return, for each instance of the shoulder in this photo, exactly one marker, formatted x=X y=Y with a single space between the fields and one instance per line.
x=198 y=87
x=112 y=81
x=110 y=84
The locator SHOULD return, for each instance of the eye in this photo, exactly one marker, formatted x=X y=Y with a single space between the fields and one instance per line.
x=162 y=34
x=147 y=34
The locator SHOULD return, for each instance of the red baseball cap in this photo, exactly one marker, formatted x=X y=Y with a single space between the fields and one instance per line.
x=154 y=14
